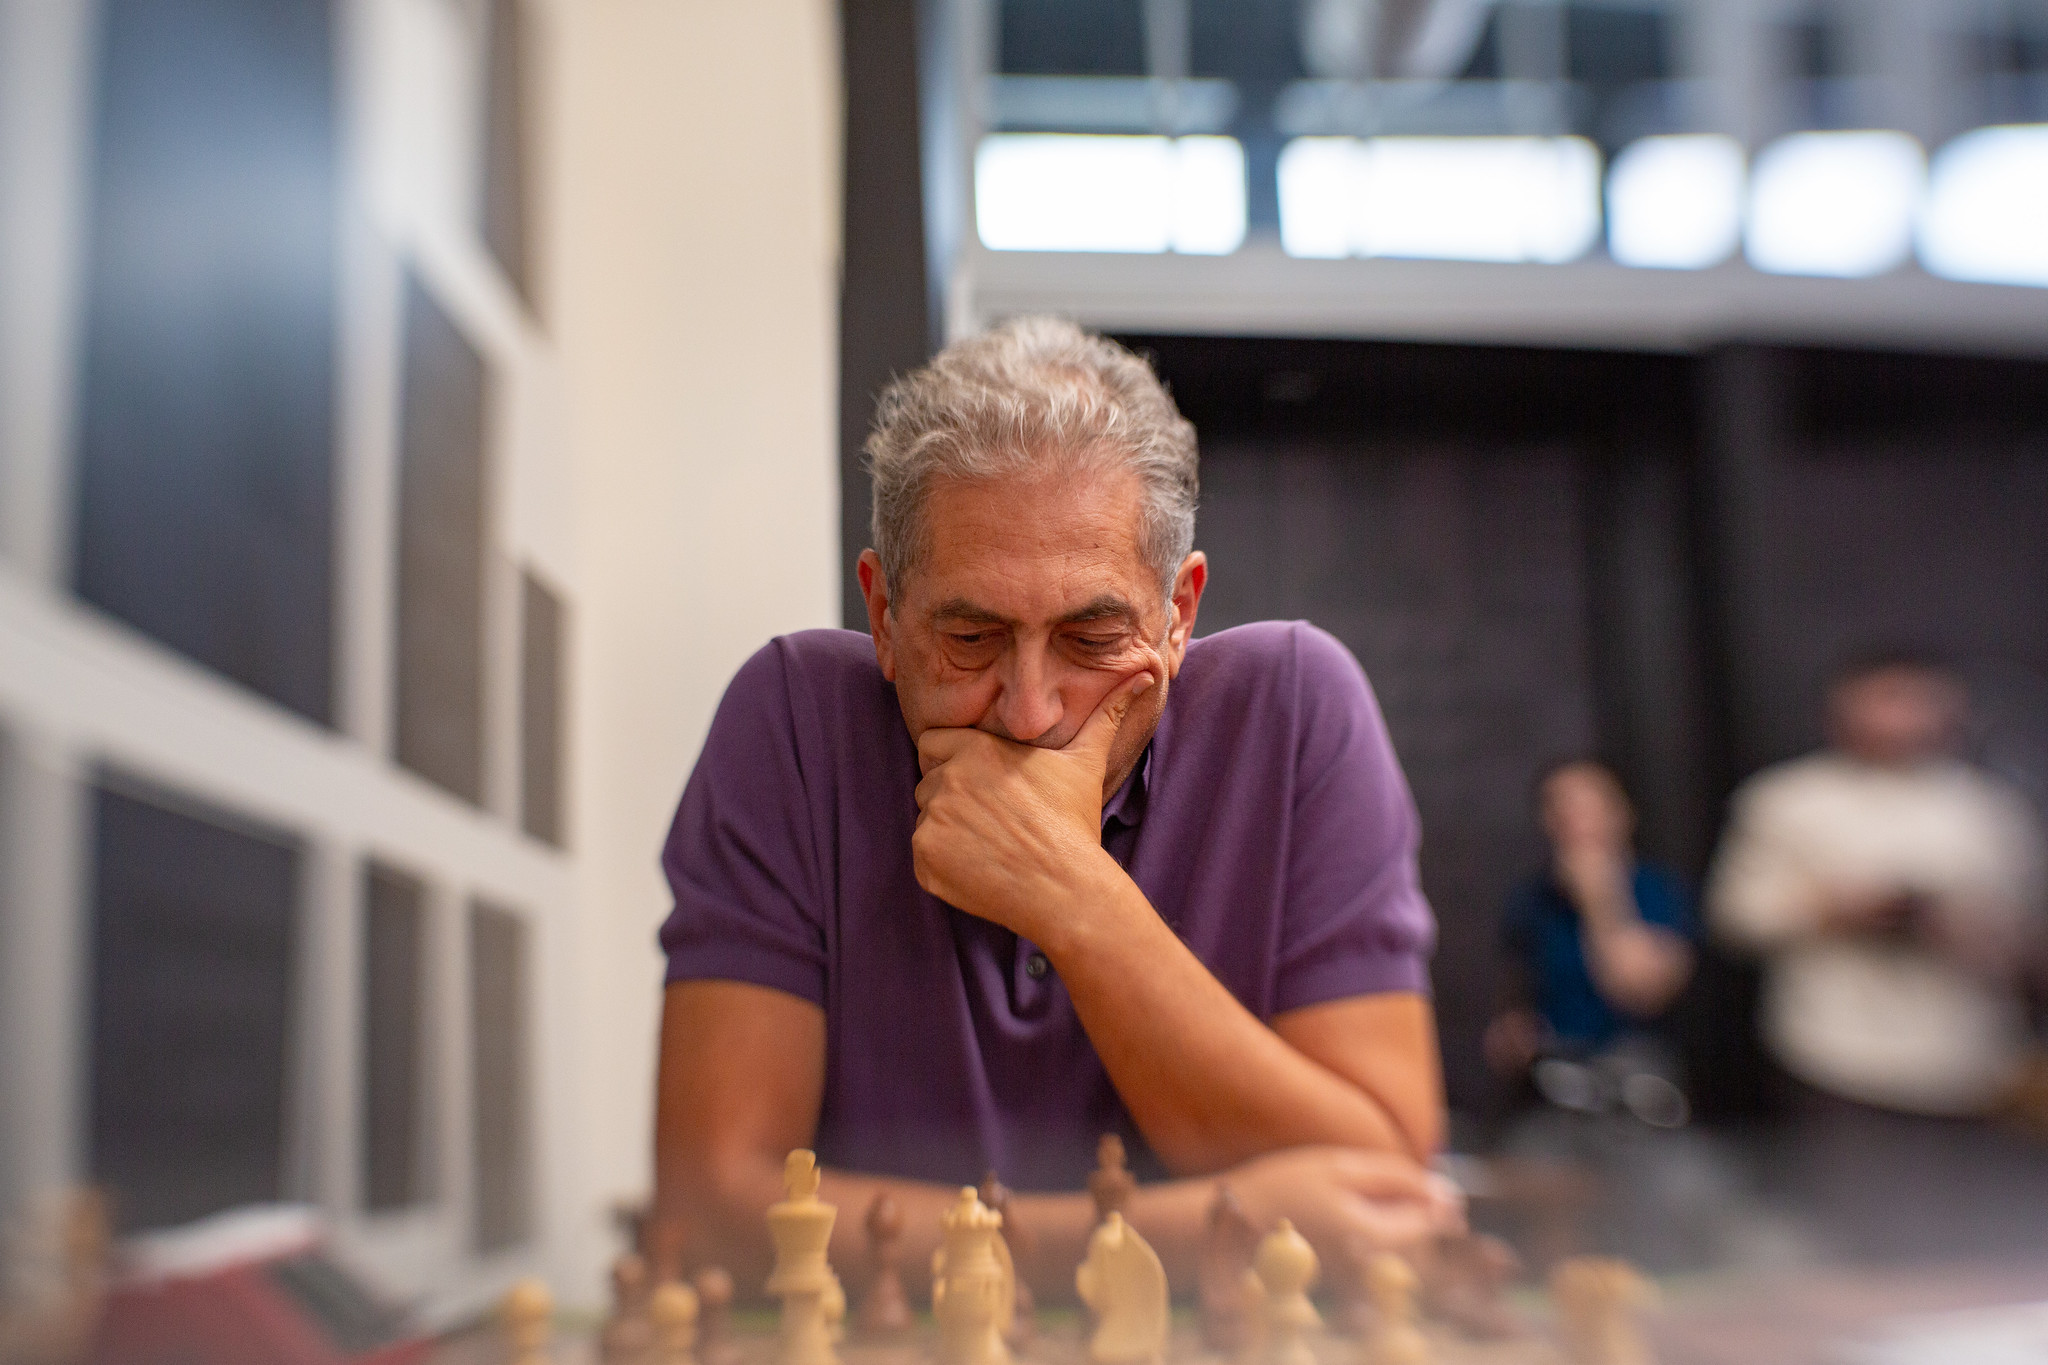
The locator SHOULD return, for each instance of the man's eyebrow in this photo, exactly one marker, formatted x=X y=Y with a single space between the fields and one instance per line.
x=1104 y=608
x=960 y=609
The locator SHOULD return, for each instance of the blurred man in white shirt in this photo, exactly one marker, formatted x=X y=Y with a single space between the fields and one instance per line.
x=1895 y=893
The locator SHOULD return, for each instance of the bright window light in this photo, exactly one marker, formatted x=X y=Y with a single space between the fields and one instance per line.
x=1318 y=185
x=1208 y=196
x=1840 y=204
x=1075 y=192
x=1987 y=207
x=1675 y=203
x=1446 y=198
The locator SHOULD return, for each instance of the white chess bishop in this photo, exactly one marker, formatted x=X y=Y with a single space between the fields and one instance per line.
x=973 y=1292
x=801 y=1227
x=1124 y=1283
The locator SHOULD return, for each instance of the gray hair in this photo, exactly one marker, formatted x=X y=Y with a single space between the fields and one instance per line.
x=1035 y=395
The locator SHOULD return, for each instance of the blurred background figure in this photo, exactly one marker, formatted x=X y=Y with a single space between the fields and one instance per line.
x=1894 y=892
x=1599 y=944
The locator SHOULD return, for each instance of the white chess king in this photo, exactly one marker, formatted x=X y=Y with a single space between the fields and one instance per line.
x=971 y=1291
x=801 y=1227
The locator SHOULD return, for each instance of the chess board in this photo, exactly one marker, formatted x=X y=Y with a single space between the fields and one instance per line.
x=1059 y=1339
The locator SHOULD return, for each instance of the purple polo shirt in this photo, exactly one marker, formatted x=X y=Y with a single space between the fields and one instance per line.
x=1268 y=823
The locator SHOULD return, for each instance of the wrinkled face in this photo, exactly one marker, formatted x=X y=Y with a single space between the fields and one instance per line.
x=1030 y=605
x=1582 y=803
x=1896 y=715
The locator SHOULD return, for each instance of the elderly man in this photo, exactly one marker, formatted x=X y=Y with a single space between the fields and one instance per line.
x=1032 y=864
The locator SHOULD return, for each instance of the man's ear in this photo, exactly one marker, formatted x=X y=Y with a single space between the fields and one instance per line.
x=874 y=590
x=1187 y=601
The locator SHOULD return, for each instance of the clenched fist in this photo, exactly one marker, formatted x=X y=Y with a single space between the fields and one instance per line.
x=1007 y=831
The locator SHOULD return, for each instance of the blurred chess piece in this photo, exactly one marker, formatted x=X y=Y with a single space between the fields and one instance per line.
x=672 y=1318
x=1228 y=1242
x=1124 y=1284
x=801 y=1228
x=1395 y=1339
x=1111 y=1184
x=526 y=1318
x=627 y=1334
x=1465 y=1279
x=1012 y=1243
x=970 y=1291
x=885 y=1310
x=54 y=1286
x=1285 y=1267
x=1599 y=1301
x=715 y=1289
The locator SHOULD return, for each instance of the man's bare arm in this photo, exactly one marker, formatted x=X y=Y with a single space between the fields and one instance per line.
x=1207 y=1083
x=742 y=1074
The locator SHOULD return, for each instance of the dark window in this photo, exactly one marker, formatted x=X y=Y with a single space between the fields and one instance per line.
x=193 y=930
x=507 y=227
x=395 y=1170
x=1250 y=41
x=206 y=429
x=1609 y=47
x=542 y=641
x=441 y=552
x=499 y=1013
x=1072 y=37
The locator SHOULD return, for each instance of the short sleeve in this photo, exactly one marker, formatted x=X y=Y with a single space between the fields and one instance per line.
x=1355 y=921
x=740 y=856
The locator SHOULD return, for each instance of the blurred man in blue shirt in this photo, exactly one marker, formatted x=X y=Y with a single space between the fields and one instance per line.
x=1599 y=943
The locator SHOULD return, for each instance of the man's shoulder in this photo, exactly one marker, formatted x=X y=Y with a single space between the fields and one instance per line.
x=1818 y=776
x=826 y=672
x=1265 y=653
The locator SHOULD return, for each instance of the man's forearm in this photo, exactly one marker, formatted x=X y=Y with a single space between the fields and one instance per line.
x=1206 y=1082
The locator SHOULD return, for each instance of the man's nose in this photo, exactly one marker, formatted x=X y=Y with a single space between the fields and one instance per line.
x=1030 y=706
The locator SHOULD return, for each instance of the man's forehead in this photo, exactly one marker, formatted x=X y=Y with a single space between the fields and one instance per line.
x=1102 y=607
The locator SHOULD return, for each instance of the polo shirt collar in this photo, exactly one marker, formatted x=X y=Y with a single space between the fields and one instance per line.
x=1127 y=807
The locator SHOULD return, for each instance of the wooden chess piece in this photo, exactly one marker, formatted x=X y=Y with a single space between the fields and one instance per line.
x=801 y=1229
x=627 y=1335
x=970 y=1292
x=672 y=1318
x=1123 y=1283
x=1285 y=1268
x=1111 y=1184
x=1012 y=1243
x=1465 y=1280
x=1598 y=1300
x=885 y=1310
x=715 y=1290
x=526 y=1320
x=1228 y=1243
x=1395 y=1339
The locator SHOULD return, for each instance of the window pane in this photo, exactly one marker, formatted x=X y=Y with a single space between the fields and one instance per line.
x=441 y=552
x=542 y=640
x=506 y=229
x=193 y=929
x=206 y=427
x=394 y=979
x=498 y=1028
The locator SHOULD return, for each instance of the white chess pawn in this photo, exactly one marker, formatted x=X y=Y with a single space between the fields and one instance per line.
x=1124 y=1284
x=1285 y=1267
x=1390 y=1283
x=970 y=1292
x=526 y=1317
x=672 y=1313
x=801 y=1228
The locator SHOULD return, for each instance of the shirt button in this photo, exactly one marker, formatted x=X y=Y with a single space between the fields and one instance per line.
x=1036 y=966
